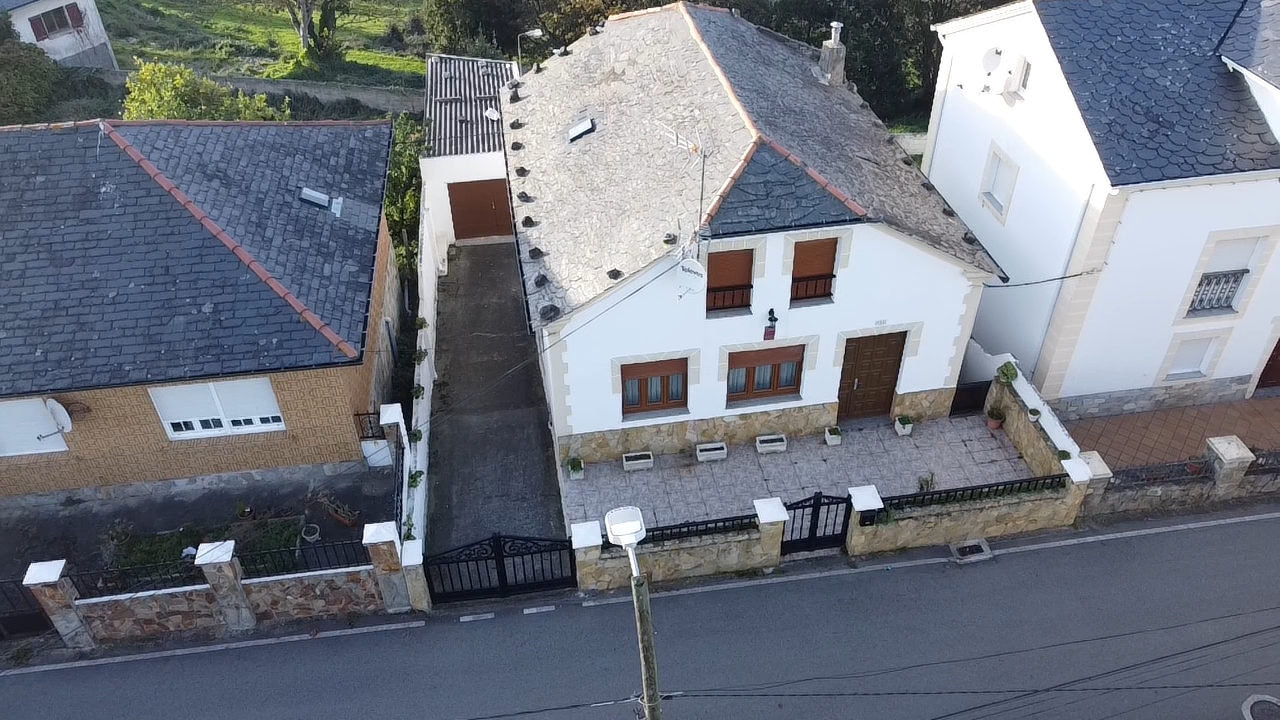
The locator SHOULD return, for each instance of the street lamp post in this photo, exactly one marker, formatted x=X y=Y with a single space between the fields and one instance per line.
x=532 y=34
x=625 y=526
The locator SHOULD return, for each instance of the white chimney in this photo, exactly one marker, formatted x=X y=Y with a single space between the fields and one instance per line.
x=831 y=62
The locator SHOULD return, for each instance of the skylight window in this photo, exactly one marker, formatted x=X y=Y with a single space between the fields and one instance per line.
x=580 y=128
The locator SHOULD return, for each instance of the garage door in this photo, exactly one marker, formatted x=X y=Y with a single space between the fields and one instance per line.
x=480 y=209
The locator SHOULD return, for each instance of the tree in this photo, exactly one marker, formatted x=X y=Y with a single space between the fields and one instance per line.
x=161 y=91
x=28 y=78
x=404 y=190
x=316 y=39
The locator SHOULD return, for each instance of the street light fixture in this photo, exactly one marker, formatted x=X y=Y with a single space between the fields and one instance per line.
x=625 y=527
x=533 y=34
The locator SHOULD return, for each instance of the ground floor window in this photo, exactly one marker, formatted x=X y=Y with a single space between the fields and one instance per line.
x=654 y=386
x=219 y=408
x=765 y=373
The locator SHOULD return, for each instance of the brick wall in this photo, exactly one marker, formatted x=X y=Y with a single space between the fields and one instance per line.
x=371 y=386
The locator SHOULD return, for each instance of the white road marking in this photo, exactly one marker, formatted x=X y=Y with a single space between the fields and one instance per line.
x=539 y=609
x=472 y=618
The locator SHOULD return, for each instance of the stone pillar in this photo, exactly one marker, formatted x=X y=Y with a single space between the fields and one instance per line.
x=587 y=540
x=1230 y=458
x=866 y=504
x=58 y=596
x=415 y=576
x=771 y=516
x=383 y=544
x=222 y=571
x=1099 y=479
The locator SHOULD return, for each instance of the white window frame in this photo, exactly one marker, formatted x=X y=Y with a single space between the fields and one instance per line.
x=52 y=437
x=1168 y=375
x=220 y=424
x=998 y=206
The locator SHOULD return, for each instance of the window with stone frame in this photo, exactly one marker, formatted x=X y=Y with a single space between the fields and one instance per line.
x=651 y=386
x=765 y=373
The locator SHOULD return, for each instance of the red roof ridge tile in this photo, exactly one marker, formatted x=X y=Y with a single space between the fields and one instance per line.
x=236 y=248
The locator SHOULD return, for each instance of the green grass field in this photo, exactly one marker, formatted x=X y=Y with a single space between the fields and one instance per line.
x=230 y=37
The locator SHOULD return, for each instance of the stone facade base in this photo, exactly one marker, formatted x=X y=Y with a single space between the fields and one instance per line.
x=682 y=436
x=1121 y=402
x=924 y=405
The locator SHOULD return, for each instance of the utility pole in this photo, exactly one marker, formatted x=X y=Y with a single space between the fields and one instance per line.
x=648 y=658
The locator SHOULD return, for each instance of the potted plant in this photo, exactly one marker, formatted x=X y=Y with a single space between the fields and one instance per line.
x=577 y=470
x=832 y=435
x=418 y=392
x=419 y=355
x=1007 y=373
x=925 y=483
x=1033 y=415
x=310 y=532
x=420 y=323
x=1064 y=454
x=243 y=511
x=340 y=511
x=415 y=478
x=903 y=425
x=415 y=435
x=995 y=418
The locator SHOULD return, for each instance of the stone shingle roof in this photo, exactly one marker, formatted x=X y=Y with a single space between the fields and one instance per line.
x=157 y=251
x=1158 y=101
x=672 y=88
x=1253 y=42
x=459 y=91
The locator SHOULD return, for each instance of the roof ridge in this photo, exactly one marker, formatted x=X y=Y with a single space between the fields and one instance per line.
x=1217 y=49
x=52 y=125
x=236 y=248
x=715 y=67
x=245 y=123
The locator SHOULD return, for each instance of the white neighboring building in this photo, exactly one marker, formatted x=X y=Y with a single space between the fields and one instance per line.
x=1128 y=187
x=464 y=172
x=837 y=284
x=70 y=32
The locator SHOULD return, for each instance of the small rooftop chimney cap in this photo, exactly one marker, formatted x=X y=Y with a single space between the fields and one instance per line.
x=836 y=26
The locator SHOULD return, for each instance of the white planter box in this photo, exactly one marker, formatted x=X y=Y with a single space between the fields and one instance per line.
x=830 y=438
x=766 y=444
x=901 y=429
x=637 y=461
x=712 y=451
x=578 y=474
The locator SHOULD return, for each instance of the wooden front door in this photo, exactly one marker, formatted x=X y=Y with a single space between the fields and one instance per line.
x=1270 y=376
x=480 y=209
x=870 y=374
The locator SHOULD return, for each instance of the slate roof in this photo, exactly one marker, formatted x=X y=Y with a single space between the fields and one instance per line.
x=781 y=151
x=1253 y=42
x=459 y=90
x=156 y=251
x=1157 y=100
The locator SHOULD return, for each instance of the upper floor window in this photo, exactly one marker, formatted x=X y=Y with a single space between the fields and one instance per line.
x=654 y=386
x=27 y=427
x=997 y=183
x=729 y=277
x=813 y=270
x=1219 y=286
x=764 y=373
x=219 y=408
x=56 y=21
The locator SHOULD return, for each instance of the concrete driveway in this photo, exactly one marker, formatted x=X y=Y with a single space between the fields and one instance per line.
x=492 y=468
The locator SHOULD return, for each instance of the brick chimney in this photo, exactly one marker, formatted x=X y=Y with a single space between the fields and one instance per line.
x=831 y=62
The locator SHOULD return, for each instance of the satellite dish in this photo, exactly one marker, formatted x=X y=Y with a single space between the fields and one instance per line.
x=691 y=276
x=991 y=60
x=60 y=416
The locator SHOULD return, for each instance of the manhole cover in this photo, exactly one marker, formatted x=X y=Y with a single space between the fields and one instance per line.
x=1262 y=708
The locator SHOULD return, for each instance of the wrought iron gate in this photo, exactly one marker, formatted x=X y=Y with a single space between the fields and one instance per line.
x=20 y=614
x=816 y=522
x=500 y=566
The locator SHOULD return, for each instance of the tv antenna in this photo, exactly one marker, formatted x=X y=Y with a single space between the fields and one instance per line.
x=697 y=153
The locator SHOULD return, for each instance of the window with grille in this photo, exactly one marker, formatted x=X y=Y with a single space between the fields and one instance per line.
x=655 y=386
x=729 y=276
x=1224 y=276
x=220 y=408
x=765 y=373
x=813 y=269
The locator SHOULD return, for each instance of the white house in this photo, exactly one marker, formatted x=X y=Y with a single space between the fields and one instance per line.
x=464 y=173
x=828 y=281
x=1122 y=167
x=71 y=33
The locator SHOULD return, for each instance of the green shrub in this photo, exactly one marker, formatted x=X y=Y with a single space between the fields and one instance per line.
x=28 y=80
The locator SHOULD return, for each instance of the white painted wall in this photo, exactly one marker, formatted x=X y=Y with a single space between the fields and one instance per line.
x=1265 y=94
x=66 y=43
x=889 y=281
x=1137 y=308
x=437 y=173
x=1057 y=167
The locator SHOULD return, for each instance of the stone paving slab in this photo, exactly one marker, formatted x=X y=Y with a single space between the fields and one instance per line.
x=960 y=452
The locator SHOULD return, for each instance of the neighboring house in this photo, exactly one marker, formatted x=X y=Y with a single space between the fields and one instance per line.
x=71 y=33
x=464 y=174
x=1119 y=160
x=837 y=284
x=189 y=296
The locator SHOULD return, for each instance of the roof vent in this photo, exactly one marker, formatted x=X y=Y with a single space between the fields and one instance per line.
x=549 y=313
x=669 y=239
x=908 y=161
x=537 y=68
x=493 y=114
x=593 y=30
x=517 y=145
x=513 y=83
x=527 y=221
x=536 y=253
x=515 y=96
x=314 y=197
x=927 y=185
x=946 y=210
x=971 y=238
x=522 y=171
x=540 y=280
x=614 y=274
x=335 y=207
x=580 y=128
x=523 y=196
x=560 y=51
x=516 y=124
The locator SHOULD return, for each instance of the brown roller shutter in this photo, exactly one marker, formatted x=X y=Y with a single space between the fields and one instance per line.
x=655 y=369
x=773 y=356
x=729 y=269
x=815 y=258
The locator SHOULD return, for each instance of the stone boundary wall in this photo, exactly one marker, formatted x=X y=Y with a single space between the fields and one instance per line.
x=1081 y=407
x=309 y=596
x=1038 y=442
x=151 y=614
x=390 y=99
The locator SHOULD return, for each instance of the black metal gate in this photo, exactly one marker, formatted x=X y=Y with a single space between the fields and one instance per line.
x=20 y=613
x=500 y=566
x=816 y=522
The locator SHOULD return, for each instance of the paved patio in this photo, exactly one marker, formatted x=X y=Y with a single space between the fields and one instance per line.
x=959 y=452
x=1177 y=433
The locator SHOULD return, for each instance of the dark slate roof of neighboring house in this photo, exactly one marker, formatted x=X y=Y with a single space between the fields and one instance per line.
x=1158 y=101
x=459 y=91
x=781 y=151
x=1253 y=42
x=147 y=252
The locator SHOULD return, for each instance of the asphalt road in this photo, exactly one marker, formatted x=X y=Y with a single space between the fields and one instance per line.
x=1170 y=626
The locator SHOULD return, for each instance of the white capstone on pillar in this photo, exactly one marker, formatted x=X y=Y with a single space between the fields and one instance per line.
x=587 y=540
x=57 y=596
x=382 y=542
x=771 y=518
x=222 y=571
x=866 y=505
